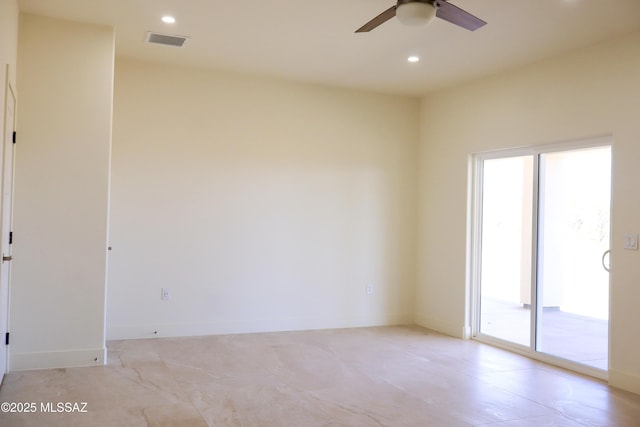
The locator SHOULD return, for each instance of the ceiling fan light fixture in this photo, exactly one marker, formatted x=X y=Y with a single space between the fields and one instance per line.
x=415 y=13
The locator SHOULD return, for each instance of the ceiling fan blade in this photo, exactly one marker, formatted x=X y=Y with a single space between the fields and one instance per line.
x=378 y=20
x=457 y=16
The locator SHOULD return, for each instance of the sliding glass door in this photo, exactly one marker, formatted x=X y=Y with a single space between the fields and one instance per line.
x=505 y=298
x=542 y=232
x=573 y=286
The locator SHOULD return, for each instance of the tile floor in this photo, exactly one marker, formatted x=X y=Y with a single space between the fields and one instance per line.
x=386 y=376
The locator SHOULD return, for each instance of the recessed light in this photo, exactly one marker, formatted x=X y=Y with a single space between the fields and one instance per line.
x=413 y=59
x=168 y=19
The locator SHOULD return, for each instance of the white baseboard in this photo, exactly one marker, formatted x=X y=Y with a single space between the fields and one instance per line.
x=457 y=331
x=624 y=380
x=57 y=359
x=136 y=331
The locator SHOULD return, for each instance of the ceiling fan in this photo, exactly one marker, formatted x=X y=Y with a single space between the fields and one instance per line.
x=417 y=12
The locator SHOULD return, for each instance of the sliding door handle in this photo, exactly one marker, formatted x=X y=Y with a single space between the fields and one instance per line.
x=604 y=255
x=7 y=258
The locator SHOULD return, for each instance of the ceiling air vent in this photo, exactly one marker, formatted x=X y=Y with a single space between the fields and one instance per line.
x=166 y=39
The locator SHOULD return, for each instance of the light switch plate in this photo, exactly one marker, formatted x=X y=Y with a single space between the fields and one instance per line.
x=631 y=242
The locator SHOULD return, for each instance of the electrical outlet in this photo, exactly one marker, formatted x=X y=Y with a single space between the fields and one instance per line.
x=166 y=294
x=369 y=289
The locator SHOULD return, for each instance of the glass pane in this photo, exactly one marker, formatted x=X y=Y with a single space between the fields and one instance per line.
x=575 y=194
x=505 y=283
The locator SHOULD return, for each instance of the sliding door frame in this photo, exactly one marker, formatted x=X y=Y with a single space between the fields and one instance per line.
x=475 y=247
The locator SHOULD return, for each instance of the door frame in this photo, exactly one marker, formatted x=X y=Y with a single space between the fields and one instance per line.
x=8 y=125
x=474 y=261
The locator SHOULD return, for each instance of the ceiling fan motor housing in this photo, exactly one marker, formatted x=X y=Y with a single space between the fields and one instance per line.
x=416 y=12
x=433 y=2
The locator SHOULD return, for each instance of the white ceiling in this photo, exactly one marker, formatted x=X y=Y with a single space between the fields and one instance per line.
x=314 y=41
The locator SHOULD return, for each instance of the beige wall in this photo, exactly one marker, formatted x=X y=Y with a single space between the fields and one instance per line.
x=65 y=83
x=9 y=36
x=261 y=204
x=592 y=92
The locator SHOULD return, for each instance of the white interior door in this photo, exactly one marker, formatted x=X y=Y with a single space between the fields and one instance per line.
x=6 y=160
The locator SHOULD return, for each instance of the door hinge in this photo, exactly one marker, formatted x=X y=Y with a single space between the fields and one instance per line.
x=14 y=136
x=11 y=237
x=6 y=339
